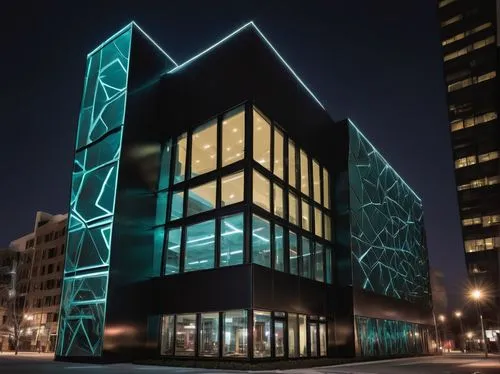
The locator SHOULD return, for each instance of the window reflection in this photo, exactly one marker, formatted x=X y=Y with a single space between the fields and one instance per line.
x=180 y=158
x=328 y=227
x=261 y=243
x=201 y=198
x=232 y=189
x=173 y=251
x=231 y=242
x=306 y=258
x=209 y=334
x=328 y=267
x=316 y=182
x=185 y=337
x=278 y=153
x=177 y=205
x=304 y=173
x=235 y=335
x=200 y=246
x=166 y=155
x=318 y=223
x=322 y=339
x=306 y=216
x=318 y=262
x=279 y=336
x=279 y=248
x=204 y=149
x=293 y=209
x=167 y=335
x=233 y=136
x=278 y=201
x=293 y=253
x=261 y=334
x=261 y=191
x=261 y=140
x=302 y=335
x=292 y=166
x=313 y=338
x=293 y=335
x=326 y=189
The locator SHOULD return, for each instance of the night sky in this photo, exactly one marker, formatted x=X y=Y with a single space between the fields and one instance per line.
x=378 y=62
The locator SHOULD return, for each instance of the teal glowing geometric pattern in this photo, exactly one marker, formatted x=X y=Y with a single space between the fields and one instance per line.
x=380 y=337
x=387 y=229
x=93 y=192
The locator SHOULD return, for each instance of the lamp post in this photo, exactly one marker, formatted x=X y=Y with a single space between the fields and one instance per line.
x=477 y=295
x=458 y=314
x=442 y=318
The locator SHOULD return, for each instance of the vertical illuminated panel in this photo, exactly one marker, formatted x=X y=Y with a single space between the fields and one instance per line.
x=387 y=227
x=93 y=193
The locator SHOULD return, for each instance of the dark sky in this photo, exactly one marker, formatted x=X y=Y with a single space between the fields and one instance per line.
x=377 y=62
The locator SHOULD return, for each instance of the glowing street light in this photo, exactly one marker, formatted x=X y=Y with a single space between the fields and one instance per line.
x=477 y=295
x=470 y=335
x=442 y=318
x=458 y=314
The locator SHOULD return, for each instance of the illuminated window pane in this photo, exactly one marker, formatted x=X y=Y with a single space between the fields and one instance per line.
x=233 y=136
x=200 y=246
x=326 y=189
x=293 y=335
x=328 y=259
x=177 y=205
x=306 y=271
x=235 y=334
x=318 y=262
x=209 y=335
x=313 y=338
x=328 y=227
x=316 y=182
x=292 y=165
x=231 y=242
x=318 y=223
x=173 y=251
x=261 y=140
x=232 y=189
x=166 y=155
x=279 y=248
x=304 y=173
x=261 y=243
x=167 y=335
x=322 y=339
x=278 y=153
x=278 y=201
x=261 y=334
x=201 y=198
x=306 y=216
x=261 y=191
x=204 y=149
x=180 y=158
x=302 y=335
x=279 y=337
x=293 y=253
x=293 y=209
x=185 y=337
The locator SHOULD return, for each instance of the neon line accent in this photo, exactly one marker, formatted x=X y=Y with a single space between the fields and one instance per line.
x=115 y=35
x=383 y=159
x=87 y=275
x=154 y=43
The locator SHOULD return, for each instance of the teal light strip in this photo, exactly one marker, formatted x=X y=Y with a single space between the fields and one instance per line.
x=382 y=157
x=154 y=43
x=116 y=34
x=261 y=35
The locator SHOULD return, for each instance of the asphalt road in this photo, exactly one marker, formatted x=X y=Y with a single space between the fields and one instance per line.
x=451 y=364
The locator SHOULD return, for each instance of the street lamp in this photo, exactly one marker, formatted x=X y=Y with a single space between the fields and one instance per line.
x=442 y=318
x=458 y=314
x=477 y=296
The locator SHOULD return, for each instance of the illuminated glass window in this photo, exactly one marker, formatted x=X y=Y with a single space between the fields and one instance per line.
x=316 y=182
x=326 y=189
x=235 y=334
x=261 y=140
x=185 y=337
x=452 y=20
x=304 y=173
x=209 y=335
x=172 y=256
x=231 y=242
x=200 y=246
x=204 y=149
x=465 y=34
x=261 y=191
x=318 y=223
x=302 y=335
x=491 y=220
x=278 y=201
x=293 y=335
x=293 y=209
x=232 y=189
x=313 y=338
x=292 y=164
x=470 y=81
x=318 y=262
x=201 y=198
x=443 y=3
x=482 y=244
x=279 y=337
x=293 y=253
x=471 y=221
x=488 y=156
x=328 y=259
x=322 y=340
x=233 y=136
x=306 y=216
x=278 y=153
x=177 y=205
x=180 y=158
x=468 y=49
x=465 y=161
x=279 y=248
x=328 y=227
x=306 y=270
x=167 y=335
x=261 y=334
x=261 y=241
x=460 y=124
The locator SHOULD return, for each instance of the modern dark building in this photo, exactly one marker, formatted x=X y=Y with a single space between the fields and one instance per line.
x=218 y=212
x=469 y=33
